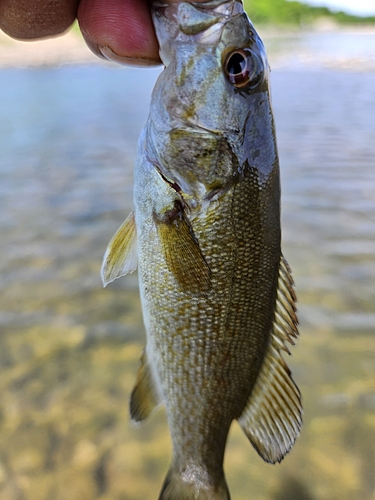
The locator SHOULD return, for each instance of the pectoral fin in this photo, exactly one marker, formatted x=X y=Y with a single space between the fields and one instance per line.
x=145 y=396
x=181 y=249
x=120 y=257
x=272 y=418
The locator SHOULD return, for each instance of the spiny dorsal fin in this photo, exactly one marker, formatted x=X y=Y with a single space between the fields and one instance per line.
x=272 y=418
x=145 y=395
x=182 y=252
x=120 y=257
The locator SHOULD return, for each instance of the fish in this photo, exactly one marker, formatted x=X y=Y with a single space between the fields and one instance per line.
x=217 y=295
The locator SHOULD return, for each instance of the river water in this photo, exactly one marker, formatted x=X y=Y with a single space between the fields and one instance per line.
x=69 y=350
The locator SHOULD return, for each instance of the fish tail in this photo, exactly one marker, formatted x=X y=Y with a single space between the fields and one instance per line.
x=176 y=487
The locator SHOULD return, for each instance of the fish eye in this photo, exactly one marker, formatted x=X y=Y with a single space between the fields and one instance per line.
x=242 y=68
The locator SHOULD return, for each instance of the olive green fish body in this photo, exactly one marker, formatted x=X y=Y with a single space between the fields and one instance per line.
x=217 y=295
x=207 y=345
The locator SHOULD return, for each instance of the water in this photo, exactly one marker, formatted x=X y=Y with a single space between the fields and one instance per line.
x=69 y=349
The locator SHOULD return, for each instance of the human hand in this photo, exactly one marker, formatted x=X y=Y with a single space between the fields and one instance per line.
x=119 y=30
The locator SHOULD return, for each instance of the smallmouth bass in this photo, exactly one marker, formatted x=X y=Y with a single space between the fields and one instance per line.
x=217 y=294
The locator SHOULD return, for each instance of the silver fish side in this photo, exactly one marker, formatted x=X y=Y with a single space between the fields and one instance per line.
x=217 y=295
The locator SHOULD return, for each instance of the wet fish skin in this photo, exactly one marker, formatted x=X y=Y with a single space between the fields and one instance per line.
x=217 y=295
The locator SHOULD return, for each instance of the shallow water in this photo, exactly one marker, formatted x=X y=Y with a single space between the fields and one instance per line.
x=69 y=349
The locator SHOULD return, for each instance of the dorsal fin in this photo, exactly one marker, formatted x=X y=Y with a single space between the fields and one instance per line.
x=120 y=257
x=145 y=395
x=272 y=417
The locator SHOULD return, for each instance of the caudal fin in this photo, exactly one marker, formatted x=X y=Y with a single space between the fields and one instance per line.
x=176 y=487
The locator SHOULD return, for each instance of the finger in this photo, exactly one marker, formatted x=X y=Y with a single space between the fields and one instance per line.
x=27 y=19
x=119 y=30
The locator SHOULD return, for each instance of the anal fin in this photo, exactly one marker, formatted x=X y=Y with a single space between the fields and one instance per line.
x=272 y=417
x=145 y=395
x=120 y=257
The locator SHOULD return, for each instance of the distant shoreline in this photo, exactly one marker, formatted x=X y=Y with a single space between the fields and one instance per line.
x=70 y=48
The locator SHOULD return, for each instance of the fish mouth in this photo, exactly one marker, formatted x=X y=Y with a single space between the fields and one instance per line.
x=204 y=21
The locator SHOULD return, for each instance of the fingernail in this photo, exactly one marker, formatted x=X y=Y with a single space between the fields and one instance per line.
x=108 y=53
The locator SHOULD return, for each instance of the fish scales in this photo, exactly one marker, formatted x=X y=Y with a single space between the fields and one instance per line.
x=217 y=295
x=218 y=332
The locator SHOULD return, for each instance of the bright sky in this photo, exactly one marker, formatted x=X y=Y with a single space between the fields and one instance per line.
x=358 y=7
